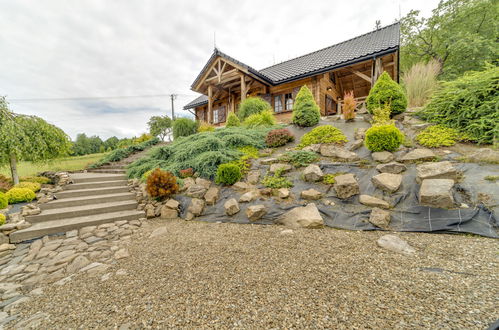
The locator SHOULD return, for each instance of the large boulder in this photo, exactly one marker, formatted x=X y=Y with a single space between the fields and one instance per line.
x=203 y=182
x=395 y=244
x=373 y=201
x=256 y=212
x=249 y=196
x=437 y=170
x=417 y=155
x=253 y=177
x=168 y=213
x=382 y=156
x=387 y=181
x=212 y=195
x=311 y=194
x=197 y=207
x=346 y=186
x=280 y=166
x=393 y=167
x=437 y=193
x=335 y=151
x=305 y=217
x=231 y=207
x=380 y=218
x=196 y=191
x=312 y=173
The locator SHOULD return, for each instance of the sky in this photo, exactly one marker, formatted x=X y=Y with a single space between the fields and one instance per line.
x=105 y=67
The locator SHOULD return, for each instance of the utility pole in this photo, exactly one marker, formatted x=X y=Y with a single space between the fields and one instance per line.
x=173 y=97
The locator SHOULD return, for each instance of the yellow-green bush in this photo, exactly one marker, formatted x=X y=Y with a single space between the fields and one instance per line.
x=228 y=174
x=205 y=127
x=38 y=179
x=383 y=137
x=263 y=119
x=2 y=219
x=35 y=186
x=438 y=136
x=4 y=201
x=386 y=91
x=233 y=120
x=323 y=134
x=19 y=195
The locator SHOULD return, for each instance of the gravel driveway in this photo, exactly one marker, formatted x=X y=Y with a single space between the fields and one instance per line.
x=206 y=275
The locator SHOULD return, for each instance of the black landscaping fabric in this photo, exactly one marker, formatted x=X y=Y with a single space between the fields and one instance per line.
x=407 y=214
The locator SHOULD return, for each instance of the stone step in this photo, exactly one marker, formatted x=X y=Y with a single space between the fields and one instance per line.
x=87 y=200
x=60 y=226
x=113 y=166
x=107 y=170
x=96 y=177
x=91 y=192
x=90 y=185
x=82 y=210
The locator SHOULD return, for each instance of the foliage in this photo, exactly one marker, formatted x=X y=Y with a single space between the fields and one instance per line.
x=349 y=105
x=460 y=34
x=263 y=119
x=205 y=127
x=84 y=145
x=5 y=183
x=119 y=154
x=306 y=112
x=20 y=195
x=276 y=181
x=323 y=134
x=184 y=127
x=299 y=158
x=4 y=201
x=144 y=176
x=330 y=178
x=278 y=137
x=38 y=179
x=35 y=186
x=233 y=120
x=2 y=219
x=161 y=184
x=244 y=162
x=383 y=137
x=420 y=81
x=186 y=173
x=468 y=104
x=160 y=126
x=142 y=138
x=250 y=152
x=228 y=174
x=386 y=91
x=438 y=136
x=491 y=178
x=252 y=106
x=381 y=115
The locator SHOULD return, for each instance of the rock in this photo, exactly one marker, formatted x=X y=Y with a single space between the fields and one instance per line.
x=72 y=233
x=333 y=150
x=437 y=170
x=356 y=145
x=256 y=212
x=266 y=191
x=393 y=167
x=168 y=213
x=189 y=216
x=120 y=254
x=172 y=204
x=311 y=194
x=305 y=217
x=149 y=210
x=249 y=196
x=212 y=195
x=8 y=227
x=416 y=155
x=241 y=186
x=161 y=231
x=95 y=268
x=268 y=161
x=437 y=193
x=360 y=133
x=380 y=218
x=27 y=211
x=4 y=239
x=203 y=182
x=231 y=207
x=62 y=258
x=312 y=173
x=286 y=232
x=196 y=207
x=196 y=191
x=373 y=201
x=23 y=225
x=283 y=192
x=387 y=181
x=382 y=156
x=395 y=244
x=253 y=177
x=346 y=186
x=485 y=155
x=65 y=280
x=313 y=147
x=280 y=166
x=7 y=246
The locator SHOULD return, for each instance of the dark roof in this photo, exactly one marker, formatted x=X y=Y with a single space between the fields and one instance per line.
x=200 y=100
x=361 y=48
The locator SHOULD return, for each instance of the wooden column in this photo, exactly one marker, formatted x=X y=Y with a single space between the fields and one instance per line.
x=210 y=103
x=377 y=70
x=243 y=88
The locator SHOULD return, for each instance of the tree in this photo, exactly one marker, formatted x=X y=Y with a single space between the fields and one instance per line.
x=386 y=92
x=28 y=138
x=184 y=127
x=306 y=112
x=160 y=126
x=81 y=146
x=111 y=143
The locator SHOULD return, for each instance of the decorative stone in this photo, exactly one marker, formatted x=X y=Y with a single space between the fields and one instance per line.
x=437 y=193
x=196 y=207
x=4 y=239
x=196 y=191
x=416 y=155
x=387 y=181
x=77 y=264
x=120 y=254
x=346 y=186
x=149 y=210
x=212 y=195
x=380 y=218
x=356 y=145
x=305 y=217
x=253 y=177
x=312 y=173
x=313 y=147
x=393 y=167
x=266 y=191
x=280 y=166
x=485 y=155
x=283 y=192
x=311 y=194
x=335 y=151
x=203 y=182
x=382 y=156
x=241 y=186
x=172 y=204
x=72 y=233
x=437 y=170
x=256 y=212
x=373 y=201
x=168 y=213
x=231 y=207
x=360 y=133
x=249 y=196
x=268 y=161
x=395 y=244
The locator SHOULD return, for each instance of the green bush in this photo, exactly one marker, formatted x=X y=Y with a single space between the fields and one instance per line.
x=299 y=158
x=468 y=104
x=306 y=112
x=276 y=181
x=438 y=136
x=323 y=134
x=2 y=219
x=38 y=179
x=263 y=119
x=119 y=154
x=205 y=127
x=228 y=174
x=184 y=127
x=252 y=106
x=4 y=201
x=19 y=195
x=35 y=186
x=383 y=137
x=381 y=115
x=233 y=120
x=386 y=91
x=330 y=178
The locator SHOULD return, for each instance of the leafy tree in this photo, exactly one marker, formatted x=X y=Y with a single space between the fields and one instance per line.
x=111 y=143
x=184 y=127
x=81 y=146
x=160 y=126
x=306 y=112
x=28 y=138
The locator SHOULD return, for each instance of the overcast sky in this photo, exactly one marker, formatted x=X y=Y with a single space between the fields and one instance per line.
x=97 y=49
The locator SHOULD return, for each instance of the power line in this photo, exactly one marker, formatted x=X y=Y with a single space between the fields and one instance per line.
x=41 y=99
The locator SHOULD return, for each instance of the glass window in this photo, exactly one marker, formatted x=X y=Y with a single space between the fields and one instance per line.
x=278 y=103
x=215 y=116
x=288 y=101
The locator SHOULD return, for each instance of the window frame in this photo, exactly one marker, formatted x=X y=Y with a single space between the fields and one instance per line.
x=282 y=98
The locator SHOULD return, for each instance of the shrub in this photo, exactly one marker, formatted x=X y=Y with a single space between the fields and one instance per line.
x=119 y=154
x=306 y=112
x=299 y=158
x=142 y=138
x=5 y=183
x=330 y=178
x=161 y=184
x=187 y=173
x=34 y=186
x=278 y=137
x=381 y=115
x=2 y=219
x=252 y=106
x=228 y=174
x=420 y=82
x=19 y=195
x=438 y=136
x=144 y=176
x=468 y=104
x=263 y=119
x=233 y=120
x=276 y=181
x=4 y=201
x=323 y=134
x=205 y=127
x=38 y=179
x=349 y=105
x=184 y=127
x=386 y=91
x=383 y=137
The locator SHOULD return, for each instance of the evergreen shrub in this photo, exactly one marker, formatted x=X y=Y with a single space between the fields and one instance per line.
x=386 y=91
x=306 y=112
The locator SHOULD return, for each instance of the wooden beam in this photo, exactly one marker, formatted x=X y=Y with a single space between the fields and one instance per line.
x=210 y=102
x=243 y=87
x=361 y=75
x=377 y=70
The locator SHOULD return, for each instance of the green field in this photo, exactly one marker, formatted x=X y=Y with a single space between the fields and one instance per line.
x=62 y=164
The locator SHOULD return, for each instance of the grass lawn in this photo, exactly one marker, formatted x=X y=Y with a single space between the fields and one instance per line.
x=62 y=164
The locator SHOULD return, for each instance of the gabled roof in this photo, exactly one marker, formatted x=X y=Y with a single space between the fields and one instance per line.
x=200 y=100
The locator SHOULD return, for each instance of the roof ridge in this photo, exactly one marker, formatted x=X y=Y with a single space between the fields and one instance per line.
x=319 y=50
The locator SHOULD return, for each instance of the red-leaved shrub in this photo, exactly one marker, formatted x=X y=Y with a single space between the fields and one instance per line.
x=161 y=184
x=5 y=183
x=186 y=173
x=349 y=104
x=278 y=137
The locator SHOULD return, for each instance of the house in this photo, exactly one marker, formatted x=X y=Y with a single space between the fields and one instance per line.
x=352 y=65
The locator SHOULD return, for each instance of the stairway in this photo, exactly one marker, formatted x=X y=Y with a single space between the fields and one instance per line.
x=94 y=198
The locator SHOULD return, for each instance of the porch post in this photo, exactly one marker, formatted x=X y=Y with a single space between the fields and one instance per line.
x=377 y=70
x=243 y=88
x=210 y=101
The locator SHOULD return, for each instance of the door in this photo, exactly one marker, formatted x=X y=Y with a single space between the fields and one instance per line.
x=330 y=106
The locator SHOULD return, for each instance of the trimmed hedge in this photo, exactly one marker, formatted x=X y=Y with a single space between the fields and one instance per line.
x=383 y=138
x=306 y=112
x=252 y=106
x=20 y=195
x=386 y=91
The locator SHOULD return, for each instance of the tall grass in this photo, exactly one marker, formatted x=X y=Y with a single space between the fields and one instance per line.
x=420 y=82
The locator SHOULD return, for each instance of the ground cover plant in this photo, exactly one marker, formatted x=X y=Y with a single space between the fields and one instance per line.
x=205 y=127
x=161 y=184
x=323 y=134
x=20 y=195
x=277 y=180
x=438 y=136
x=4 y=201
x=330 y=178
x=278 y=137
x=306 y=112
x=34 y=186
x=299 y=158
x=2 y=219
x=386 y=91
x=119 y=154
x=252 y=106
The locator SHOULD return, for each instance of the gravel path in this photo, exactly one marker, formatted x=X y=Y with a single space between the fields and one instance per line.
x=204 y=275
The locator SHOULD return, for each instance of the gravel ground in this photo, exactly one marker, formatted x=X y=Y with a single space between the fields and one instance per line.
x=206 y=275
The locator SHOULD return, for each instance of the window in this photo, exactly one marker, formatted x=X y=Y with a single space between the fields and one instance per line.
x=278 y=103
x=288 y=101
x=215 y=116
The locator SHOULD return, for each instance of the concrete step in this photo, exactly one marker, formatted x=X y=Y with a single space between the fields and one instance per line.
x=82 y=210
x=107 y=170
x=90 y=185
x=96 y=177
x=60 y=226
x=87 y=200
x=91 y=192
